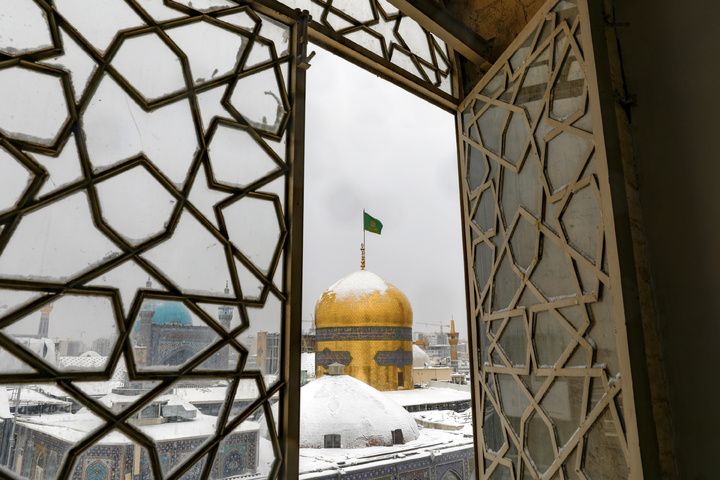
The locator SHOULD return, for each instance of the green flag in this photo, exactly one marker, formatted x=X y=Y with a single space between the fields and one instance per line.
x=372 y=225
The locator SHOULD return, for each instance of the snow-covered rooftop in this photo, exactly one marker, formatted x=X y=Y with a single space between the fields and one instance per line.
x=314 y=460
x=74 y=427
x=361 y=415
x=83 y=362
x=422 y=396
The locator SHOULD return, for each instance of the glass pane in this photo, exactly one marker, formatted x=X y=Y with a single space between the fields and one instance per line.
x=167 y=335
x=212 y=51
x=150 y=66
x=135 y=205
x=14 y=180
x=143 y=251
x=98 y=21
x=25 y=28
x=32 y=105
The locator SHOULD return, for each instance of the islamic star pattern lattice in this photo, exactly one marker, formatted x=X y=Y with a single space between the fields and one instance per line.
x=380 y=28
x=131 y=149
x=536 y=219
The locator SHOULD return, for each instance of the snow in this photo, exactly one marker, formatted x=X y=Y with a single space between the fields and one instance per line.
x=266 y=456
x=430 y=442
x=33 y=397
x=461 y=422
x=84 y=361
x=74 y=427
x=4 y=406
x=361 y=415
x=420 y=357
x=358 y=284
x=247 y=390
x=422 y=396
x=307 y=363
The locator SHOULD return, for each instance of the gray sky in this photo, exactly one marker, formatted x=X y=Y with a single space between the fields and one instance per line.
x=375 y=146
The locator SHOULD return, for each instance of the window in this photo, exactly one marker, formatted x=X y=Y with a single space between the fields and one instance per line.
x=397 y=436
x=332 y=441
x=400 y=379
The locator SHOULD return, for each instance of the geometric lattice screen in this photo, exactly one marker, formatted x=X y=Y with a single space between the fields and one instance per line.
x=380 y=28
x=541 y=252
x=143 y=189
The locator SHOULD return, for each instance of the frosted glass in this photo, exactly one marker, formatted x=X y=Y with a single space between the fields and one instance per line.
x=32 y=105
x=162 y=328
x=192 y=259
x=14 y=180
x=64 y=168
x=253 y=226
x=258 y=99
x=128 y=278
x=581 y=222
x=77 y=244
x=205 y=198
x=24 y=28
x=212 y=51
x=551 y=339
x=150 y=66
x=70 y=317
x=135 y=205
x=99 y=20
x=238 y=158
x=116 y=129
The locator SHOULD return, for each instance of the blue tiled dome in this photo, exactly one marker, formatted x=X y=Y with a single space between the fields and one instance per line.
x=172 y=313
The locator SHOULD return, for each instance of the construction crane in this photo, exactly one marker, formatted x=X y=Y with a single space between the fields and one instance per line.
x=425 y=342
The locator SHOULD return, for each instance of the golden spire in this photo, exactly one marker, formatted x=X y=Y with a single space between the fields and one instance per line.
x=452 y=325
x=362 y=257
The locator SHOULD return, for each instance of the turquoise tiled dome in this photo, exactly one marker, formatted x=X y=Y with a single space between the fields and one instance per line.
x=172 y=313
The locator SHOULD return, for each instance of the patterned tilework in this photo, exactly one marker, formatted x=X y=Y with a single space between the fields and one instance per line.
x=426 y=467
x=363 y=333
x=398 y=358
x=457 y=467
x=327 y=356
x=415 y=474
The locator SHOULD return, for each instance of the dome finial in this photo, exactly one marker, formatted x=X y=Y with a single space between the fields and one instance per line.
x=227 y=287
x=148 y=284
x=362 y=257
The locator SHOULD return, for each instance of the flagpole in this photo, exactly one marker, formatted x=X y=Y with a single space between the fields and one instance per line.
x=362 y=261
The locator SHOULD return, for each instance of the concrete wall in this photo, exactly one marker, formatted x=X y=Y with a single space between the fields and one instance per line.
x=670 y=54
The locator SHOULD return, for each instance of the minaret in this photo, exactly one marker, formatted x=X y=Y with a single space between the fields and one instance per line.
x=144 y=338
x=225 y=314
x=453 y=337
x=44 y=321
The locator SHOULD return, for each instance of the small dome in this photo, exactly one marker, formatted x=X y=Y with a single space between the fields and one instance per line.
x=363 y=298
x=90 y=353
x=420 y=357
x=361 y=415
x=172 y=313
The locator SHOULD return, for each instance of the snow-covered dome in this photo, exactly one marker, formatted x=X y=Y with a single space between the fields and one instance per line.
x=363 y=298
x=420 y=357
x=90 y=353
x=361 y=415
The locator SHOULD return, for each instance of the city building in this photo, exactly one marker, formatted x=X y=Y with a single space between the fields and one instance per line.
x=268 y=352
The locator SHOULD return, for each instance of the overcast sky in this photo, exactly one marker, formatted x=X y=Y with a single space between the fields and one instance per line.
x=375 y=146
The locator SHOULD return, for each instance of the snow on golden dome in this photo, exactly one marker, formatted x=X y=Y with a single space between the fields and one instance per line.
x=363 y=299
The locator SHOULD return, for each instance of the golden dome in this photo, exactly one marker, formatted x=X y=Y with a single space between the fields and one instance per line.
x=363 y=299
